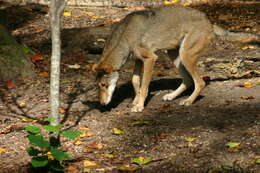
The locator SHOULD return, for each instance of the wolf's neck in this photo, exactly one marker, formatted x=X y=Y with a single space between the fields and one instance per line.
x=117 y=55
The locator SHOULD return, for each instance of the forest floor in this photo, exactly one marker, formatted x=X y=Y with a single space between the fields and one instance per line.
x=179 y=139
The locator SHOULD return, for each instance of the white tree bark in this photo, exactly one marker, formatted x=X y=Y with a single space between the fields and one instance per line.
x=56 y=9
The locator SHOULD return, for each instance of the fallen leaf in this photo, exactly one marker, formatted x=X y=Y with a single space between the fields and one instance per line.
x=28 y=120
x=84 y=128
x=78 y=142
x=82 y=135
x=162 y=136
x=117 y=131
x=88 y=163
x=37 y=57
x=50 y=156
x=75 y=66
x=3 y=150
x=257 y=161
x=43 y=74
x=247 y=84
x=66 y=13
x=108 y=155
x=95 y=145
x=248 y=47
x=21 y=104
x=88 y=150
x=189 y=139
x=142 y=160
x=247 y=97
x=9 y=84
x=62 y=110
x=170 y=2
x=233 y=146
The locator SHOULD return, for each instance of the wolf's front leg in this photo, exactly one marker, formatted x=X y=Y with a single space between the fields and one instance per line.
x=136 y=80
x=149 y=61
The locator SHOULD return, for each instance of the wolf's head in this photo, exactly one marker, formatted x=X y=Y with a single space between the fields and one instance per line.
x=107 y=80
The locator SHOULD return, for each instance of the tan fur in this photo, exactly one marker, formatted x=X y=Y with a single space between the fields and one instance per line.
x=143 y=33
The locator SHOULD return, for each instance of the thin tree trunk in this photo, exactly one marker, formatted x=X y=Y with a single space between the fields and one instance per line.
x=56 y=9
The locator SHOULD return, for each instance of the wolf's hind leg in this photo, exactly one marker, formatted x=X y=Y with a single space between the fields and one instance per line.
x=186 y=81
x=191 y=48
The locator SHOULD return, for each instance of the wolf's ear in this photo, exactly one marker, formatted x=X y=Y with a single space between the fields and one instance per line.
x=94 y=67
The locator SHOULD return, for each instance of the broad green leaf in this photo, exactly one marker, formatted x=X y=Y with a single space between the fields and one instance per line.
x=142 y=160
x=32 y=151
x=51 y=128
x=33 y=129
x=60 y=155
x=257 y=161
x=38 y=141
x=141 y=123
x=189 y=139
x=39 y=161
x=232 y=144
x=71 y=134
x=117 y=131
x=49 y=119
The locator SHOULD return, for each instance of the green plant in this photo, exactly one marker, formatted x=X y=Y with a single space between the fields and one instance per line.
x=46 y=153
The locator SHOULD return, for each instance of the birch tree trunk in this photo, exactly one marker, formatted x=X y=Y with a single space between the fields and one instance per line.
x=56 y=9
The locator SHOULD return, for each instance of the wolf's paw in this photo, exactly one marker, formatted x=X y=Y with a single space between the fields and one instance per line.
x=137 y=108
x=186 y=102
x=168 y=97
x=135 y=101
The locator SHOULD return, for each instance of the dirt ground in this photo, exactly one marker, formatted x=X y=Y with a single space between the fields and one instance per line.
x=179 y=139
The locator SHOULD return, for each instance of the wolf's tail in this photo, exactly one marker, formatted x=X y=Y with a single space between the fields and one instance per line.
x=241 y=37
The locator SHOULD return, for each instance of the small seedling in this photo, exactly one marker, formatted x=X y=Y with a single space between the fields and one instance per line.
x=44 y=153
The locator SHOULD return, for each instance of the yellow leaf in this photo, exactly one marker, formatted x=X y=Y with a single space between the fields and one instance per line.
x=67 y=13
x=78 y=142
x=3 y=150
x=84 y=128
x=107 y=155
x=89 y=163
x=100 y=146
x=248 y=84
x=117 y=131
x=248 y=47
x=75 y=66
x=50 y=156
x=127 y=169
x=28 y=120
x=82 y=135
x=169 y=2
x=189 y=139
